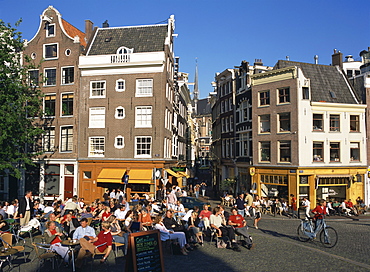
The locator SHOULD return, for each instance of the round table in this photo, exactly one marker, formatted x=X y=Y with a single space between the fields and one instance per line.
x=71 y=244
x=6 y=254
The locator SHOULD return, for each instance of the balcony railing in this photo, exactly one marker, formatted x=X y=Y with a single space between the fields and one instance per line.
x=120 y=58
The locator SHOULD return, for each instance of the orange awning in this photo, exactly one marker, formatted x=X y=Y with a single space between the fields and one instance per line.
x=140 y=176
x=111 y=175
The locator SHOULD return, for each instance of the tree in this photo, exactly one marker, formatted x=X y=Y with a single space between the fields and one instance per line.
x=20 y=104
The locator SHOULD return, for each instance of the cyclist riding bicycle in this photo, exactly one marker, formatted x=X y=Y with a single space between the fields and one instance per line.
x=319 y=213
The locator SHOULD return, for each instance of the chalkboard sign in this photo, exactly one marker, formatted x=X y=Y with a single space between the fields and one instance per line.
x=145 y=252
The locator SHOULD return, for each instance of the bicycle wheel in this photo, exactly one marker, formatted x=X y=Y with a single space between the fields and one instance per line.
x=332 y=237
x=301 y=236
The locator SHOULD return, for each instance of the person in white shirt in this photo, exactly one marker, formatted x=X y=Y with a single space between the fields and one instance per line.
x=306 y=204
x=112 y=194
x=121 y=212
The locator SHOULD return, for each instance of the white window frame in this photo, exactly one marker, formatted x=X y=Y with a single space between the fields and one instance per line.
x=62 y=77
x=104 y=90
x=44 y=51
x=45 y=82
x=61 y=137
x=116 y=142
x=143 y=116
x=47 y=30
x=116 y=113
x=139 y=89
x=94 y=120
x=117 y=85
x=136 y=150
x=96 y=152
x=52 y=144
x=61 y=104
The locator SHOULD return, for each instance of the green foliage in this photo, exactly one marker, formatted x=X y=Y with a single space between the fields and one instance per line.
x=19 y=104
x=227 y=184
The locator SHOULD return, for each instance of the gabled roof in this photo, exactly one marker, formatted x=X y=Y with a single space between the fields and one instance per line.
x=149 y=38
x=73 y=32
x=327 y=83
x=203 y=107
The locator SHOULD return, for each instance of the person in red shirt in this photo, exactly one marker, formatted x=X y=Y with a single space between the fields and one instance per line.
x=100 y=243
x=204 y=216
x=294 y=206
x=106 y=214
x=52 y=236
x=319 y=213
x=239 y=224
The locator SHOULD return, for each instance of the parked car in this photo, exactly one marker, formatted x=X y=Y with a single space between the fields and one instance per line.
x=190 y=202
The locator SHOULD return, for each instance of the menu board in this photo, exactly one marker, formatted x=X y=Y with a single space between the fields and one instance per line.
x=145 y=252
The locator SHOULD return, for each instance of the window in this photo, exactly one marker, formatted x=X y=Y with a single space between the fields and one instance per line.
x=305 y=93
x=33 y=78
x=49 y=139
x=67 y=104
x=354 y=123
x=284 y=122
x=97 y=89
x=50 y=30
x=50 y=77
x=318 y=151
x=265 y=123
x=68 y=75
x=264 y=98
x=317 y=122
x=334 y=152
x=285 y=151
x=143 y=116
x=265 y=151
x=120 y=85
x=334 y=122
x=50 y=51
x=96 y=146
x=120 y=113
x=49 y=105
x=97 y=117
x=349 y=73
x=143 y=146
x=66 y=141
x=119 y=142
x=144 y=87
x=355 y=151
x=284 y=95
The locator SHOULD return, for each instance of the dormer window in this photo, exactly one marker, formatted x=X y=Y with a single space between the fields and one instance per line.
x=125 y=50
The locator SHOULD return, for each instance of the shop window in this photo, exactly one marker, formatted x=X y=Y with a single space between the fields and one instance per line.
x=318 y=151
x=52 y=175
x=318 y=122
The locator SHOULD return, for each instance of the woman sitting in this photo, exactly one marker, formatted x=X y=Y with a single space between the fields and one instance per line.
x=52 y=236
x=145 y=219
x=193 y=227
x=204 y=216
x=131 y=222
x=168 y=234
x=119 y=236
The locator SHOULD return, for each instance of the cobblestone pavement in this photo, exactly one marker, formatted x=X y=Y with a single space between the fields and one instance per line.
x=276 y=249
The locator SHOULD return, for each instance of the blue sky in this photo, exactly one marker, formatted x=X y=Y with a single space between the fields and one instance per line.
x=220 y=34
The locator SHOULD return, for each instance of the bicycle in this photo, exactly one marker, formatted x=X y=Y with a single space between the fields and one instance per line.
x=307 y=231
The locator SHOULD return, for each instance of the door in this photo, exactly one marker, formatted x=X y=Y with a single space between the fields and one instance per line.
x=68 y=187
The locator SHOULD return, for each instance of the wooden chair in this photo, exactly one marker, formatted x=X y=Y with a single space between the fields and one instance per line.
x=89 y=220
x=7 y=239
x=116 y=246
x=42 y=256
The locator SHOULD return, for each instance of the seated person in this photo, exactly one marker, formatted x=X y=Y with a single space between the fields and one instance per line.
x=70 y=225
x=84 y=231
x=131 y=222
x=145 y=218
x=53 y=236
x=193 y=228
x=240 y=227
x=171 y=224
x=169 y=234
x=100 y=243
x=217 y=222
x=87 y=213
x=179 y=209
x=204 y=216
x=118 y=235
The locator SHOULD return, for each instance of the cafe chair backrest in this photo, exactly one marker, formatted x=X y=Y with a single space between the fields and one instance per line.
x=7 y=240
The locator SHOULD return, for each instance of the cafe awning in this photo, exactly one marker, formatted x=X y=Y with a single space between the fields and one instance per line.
x=172 y=173
x=111 y=175
x=334 y=176
x=143 y=176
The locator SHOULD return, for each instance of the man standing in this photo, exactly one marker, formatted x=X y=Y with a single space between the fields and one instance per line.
x=248 y=202
x=25 y=208
x=294 y=206
x=240 y=204
x=306 y=204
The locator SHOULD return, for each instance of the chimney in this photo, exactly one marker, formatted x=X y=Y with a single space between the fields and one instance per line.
x=105 y=24
x=316 y=59
x=88 y=29
x=337 y=59
x=258 y=62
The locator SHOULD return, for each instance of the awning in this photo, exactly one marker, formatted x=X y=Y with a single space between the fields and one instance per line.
x=183 y=174
x=334 y=176
x=176 y=175
x=140 y=176
x=111 y=175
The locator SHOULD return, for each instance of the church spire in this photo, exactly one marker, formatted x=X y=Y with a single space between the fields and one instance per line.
x=196 y=90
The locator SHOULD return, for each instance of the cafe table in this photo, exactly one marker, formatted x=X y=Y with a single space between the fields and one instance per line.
x=6 y=253
x=71 y=244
